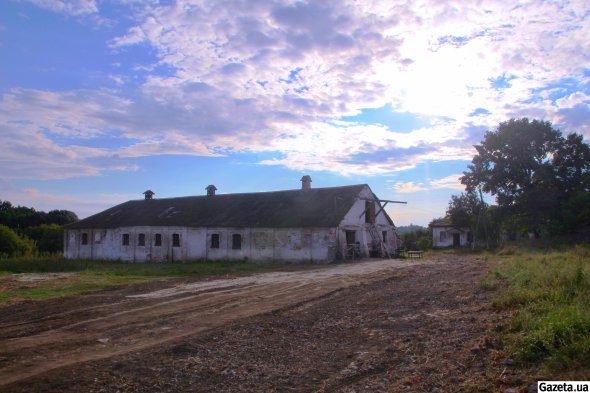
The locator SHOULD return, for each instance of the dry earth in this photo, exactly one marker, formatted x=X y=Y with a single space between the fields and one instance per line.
x=386 y=325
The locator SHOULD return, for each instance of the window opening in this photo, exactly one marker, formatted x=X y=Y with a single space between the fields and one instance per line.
x=84 y=238
x=125 y=239
x=175 y=240
x=350 y=237
x=158 y=240
x=141 y=240
x=215 y=240
x=236 y=241
x=369 y=212
x=384 y=233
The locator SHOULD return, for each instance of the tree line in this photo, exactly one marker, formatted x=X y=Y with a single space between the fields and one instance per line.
x=540 y=180
x=25 y=231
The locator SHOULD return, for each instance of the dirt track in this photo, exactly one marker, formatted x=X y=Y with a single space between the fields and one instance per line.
x=372 y=326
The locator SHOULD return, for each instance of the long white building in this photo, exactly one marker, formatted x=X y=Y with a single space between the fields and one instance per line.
x=319 y=224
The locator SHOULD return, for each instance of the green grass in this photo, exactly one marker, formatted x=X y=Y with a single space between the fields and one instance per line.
x=549 y=290
x=96 y=275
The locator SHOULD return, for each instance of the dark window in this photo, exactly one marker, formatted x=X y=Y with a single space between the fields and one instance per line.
x=350 y=237
x=215 y=240
x=125 y=239
x=236 y=241
x=158 y=240
x=175 y=240
x=469 y=237
x=369 y=212
x=141 y=239
x=84 y=238
x=384 y=233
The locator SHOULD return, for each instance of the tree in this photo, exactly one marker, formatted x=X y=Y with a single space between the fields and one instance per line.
x=531 y=169
x=11 y=244
x=469 y=210
x=464 y=209
x=61 y=217
x=48 y=237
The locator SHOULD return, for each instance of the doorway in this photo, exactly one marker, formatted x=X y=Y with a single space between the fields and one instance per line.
x=456 y=240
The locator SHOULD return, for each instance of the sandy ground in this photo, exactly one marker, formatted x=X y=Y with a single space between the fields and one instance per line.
x=382 y=325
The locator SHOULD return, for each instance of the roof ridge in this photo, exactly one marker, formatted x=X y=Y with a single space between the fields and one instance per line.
x=250 y=193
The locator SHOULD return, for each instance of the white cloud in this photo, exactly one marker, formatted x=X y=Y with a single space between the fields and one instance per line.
x=451 y=181
x=278 y=76
x=70 y=7
x=409 y=187
x=83 y=204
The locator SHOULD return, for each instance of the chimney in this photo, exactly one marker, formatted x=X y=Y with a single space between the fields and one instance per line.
x=149 y=194
x=306 y=183
x=211 y=190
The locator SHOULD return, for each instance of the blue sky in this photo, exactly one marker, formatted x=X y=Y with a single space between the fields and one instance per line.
x=101 y=100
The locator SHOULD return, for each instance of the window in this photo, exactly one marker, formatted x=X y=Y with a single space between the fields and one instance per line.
x=125 y=239
x=443 y=236
x=469 y=237
x=175 y=240
x=215 y=240
x=236 y=241
x=369 y=212
x=350 y=237
x=384 y=233
x=84 y=238
x=141 y=239
x=158 y=240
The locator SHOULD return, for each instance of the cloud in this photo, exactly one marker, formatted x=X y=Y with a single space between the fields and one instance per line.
x=255 y=76
x=448 y=182
x=83 y=204
x=409 y=187
x=70 y=7
x=451 y=181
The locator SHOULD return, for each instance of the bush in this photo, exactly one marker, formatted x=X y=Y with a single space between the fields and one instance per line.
x=12 y=245
x=49 y=238
x=424 y=243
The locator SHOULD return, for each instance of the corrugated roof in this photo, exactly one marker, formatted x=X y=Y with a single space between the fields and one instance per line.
x=318 y=207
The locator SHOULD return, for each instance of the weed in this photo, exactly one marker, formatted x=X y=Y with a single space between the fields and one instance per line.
x=550 y=293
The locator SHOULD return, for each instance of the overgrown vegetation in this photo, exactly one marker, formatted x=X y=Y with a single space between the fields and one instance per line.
x=25 y=231
x=549 y=291
x=95 y=275
x=415 y=237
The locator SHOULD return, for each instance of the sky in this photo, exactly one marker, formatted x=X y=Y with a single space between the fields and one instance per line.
x=101 y=100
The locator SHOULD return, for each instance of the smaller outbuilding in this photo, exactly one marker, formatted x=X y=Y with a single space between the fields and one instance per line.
x=445 y=234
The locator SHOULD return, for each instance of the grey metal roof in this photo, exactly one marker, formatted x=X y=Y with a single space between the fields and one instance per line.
x=318 y=207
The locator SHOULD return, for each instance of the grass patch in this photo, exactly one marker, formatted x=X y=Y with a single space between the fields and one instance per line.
x=549 y=290
x=95 y=275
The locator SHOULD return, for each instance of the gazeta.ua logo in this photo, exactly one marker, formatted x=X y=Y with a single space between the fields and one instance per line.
x=563 y=386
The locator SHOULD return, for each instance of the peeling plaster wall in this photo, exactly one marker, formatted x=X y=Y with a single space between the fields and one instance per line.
x=354 y=220
x=260 y=244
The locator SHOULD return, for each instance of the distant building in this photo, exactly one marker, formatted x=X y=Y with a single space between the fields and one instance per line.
x=444 y=234
x=319 y=224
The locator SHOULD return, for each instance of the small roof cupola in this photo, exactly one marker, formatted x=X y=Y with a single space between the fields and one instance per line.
x=211 y=190
x=306 y=183
x=149 y=194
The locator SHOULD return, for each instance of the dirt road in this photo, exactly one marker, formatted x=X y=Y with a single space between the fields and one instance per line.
x=372 y=326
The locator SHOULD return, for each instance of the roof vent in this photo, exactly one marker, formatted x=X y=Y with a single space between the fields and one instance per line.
x=306 y=183
x=149 y=194
x=211 y=190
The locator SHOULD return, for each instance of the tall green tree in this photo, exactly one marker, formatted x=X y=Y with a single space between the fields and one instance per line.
x=531 y=169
